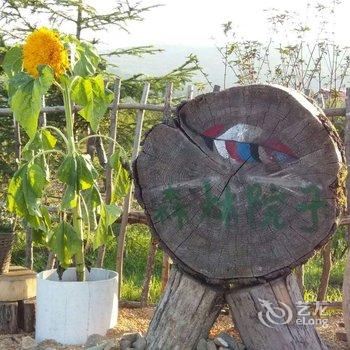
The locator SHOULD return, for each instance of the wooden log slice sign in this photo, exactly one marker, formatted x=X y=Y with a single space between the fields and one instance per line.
x=244 y=186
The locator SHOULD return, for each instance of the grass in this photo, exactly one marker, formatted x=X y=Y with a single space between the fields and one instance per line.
x=137 y=245
x=313 y=270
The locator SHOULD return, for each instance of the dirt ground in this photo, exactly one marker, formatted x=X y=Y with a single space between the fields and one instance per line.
x=131 y=319
x=137 y=320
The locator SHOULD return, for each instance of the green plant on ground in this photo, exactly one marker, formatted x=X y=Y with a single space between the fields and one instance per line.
x=82 y=215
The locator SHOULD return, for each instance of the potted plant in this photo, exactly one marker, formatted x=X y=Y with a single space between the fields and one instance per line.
x=6 y=242
x=73 y=305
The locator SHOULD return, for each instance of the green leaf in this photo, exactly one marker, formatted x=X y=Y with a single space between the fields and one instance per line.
x=67 y=173
x=33 y=183
x=87 y=59
x=46 y=78
x=46 y=217
x=26 y=97
x=122 y=181
x=24 y=194
x=36 y=179
x=43 y=140
x=94 y=196
x=70 y=198
x=101 y=234
x=48 y=140
x=112 y=213
x=15 y=201
x=108 y=215
x=93 y=199
x=91 y=94
x=65 y=242
x=86 y=172
x=13 y=61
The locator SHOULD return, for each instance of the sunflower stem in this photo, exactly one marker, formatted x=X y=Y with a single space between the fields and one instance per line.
x=76 y=212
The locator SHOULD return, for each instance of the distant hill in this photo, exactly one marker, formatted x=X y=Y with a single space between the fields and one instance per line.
x=172 y=57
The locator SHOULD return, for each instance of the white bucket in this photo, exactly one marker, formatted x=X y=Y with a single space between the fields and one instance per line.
x=68 y=311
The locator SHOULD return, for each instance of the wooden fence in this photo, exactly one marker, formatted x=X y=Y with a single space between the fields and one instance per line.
x=136 y=217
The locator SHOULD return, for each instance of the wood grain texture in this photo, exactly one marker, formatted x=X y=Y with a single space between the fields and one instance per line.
x=245 y=304
x=26 y=315
x=8 y=317
x=185 y=314
x=245 y=186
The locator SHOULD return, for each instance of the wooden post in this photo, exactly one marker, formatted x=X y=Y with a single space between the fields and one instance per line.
x=167 y=103
x=149 y=271
x=299 y=274
x=326 y=271
x=185 y=313
x=18 y=141
x=9 y=317
x=128 y=199
x=26 y=315
x=29 y=249
x=190 y=91
x=253 y=311
x=111 y=148
x=165 y=270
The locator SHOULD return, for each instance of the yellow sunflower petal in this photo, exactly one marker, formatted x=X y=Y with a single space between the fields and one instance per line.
x=44 y=47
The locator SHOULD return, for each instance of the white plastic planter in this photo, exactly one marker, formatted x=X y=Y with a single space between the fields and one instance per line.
x=68 y=311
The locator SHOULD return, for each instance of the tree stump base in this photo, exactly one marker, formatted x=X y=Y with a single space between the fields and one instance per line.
x=265 y=315
x=17 y=303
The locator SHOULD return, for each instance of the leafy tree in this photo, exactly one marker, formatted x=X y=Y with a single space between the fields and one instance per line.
x=316 y=67
x=83 y=17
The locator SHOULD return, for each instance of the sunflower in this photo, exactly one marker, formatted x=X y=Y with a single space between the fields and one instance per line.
x=44 y=47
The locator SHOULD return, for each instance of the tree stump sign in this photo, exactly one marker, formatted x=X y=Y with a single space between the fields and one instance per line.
x=244 y=185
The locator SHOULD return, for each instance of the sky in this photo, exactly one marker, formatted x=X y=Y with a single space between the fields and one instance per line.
x=198 y=22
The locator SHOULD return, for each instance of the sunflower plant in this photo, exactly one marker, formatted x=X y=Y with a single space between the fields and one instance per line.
x=45 y=60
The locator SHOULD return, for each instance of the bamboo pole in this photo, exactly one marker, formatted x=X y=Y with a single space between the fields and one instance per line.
x=190 y=92
x=128 y=199
x=329 y=112
x=60 y=109
x=18 y=142
x=149 y=271
x=111 y=148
